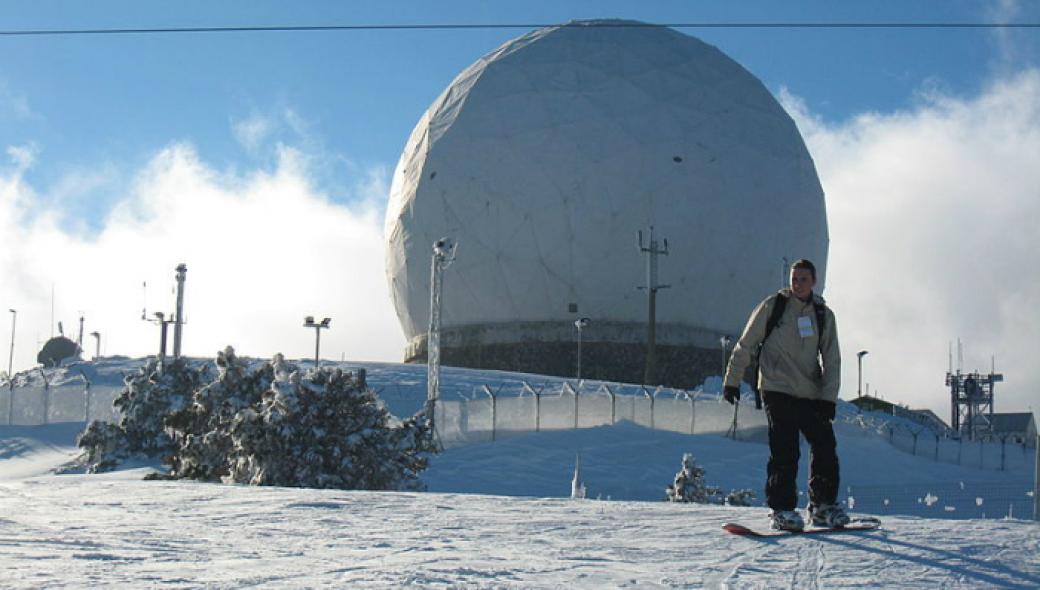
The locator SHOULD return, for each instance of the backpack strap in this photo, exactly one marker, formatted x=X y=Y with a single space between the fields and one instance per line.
x=779 y=304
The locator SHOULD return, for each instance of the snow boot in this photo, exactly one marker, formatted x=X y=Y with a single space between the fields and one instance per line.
x=786 y=520
x=828 y=516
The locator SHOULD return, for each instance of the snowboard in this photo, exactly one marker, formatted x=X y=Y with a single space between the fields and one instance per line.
x=857 y=524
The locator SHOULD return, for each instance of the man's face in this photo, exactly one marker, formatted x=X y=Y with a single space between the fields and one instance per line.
x=802 y=282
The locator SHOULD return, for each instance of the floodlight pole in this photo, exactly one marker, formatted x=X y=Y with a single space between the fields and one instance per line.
x=308 y=322
x=652 y=251
x=859 y=365
x=580 y=325
x=10 y=357
x=443 y=255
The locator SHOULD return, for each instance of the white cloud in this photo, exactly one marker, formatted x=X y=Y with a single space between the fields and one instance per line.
x=935 y=235
x=252 y=132
x=14 y=105
x=23 y=156
x=263 y=250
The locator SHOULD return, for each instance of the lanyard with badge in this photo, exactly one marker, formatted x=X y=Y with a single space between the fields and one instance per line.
x=805 y=329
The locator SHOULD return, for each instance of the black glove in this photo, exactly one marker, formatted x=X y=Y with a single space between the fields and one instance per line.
x=731 y=394
x=826 y=409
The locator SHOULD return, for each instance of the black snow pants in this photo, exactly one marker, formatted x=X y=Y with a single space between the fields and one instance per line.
x=788 y=416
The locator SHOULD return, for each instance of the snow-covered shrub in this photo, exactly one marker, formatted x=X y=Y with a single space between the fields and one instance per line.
x=743 y=497
x=689 y=485
x=203 y=427
x=148 y=397
x=264 y=426
x=325 y=430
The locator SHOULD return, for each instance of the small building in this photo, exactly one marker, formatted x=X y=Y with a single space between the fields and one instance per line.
x=1018 y=427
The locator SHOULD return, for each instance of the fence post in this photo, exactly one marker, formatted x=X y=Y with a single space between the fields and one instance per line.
x=490 y=394
x=46 y=398
x=937 y=447
x=1036 y=479
x=565 y=389
x=693 y=411
x=612 y=405
x=1003 y=460
x=86 y=394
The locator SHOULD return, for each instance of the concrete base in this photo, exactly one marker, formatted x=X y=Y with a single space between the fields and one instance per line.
x=679 y=366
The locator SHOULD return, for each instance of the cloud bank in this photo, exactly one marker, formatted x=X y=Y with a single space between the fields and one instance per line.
x=934 y=220
x=263 y=249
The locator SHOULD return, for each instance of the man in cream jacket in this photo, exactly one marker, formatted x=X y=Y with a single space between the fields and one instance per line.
x=799 y=373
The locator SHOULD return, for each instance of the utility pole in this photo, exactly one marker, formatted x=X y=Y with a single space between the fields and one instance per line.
x=178 y=320
x=652 y=251
x=308 y=322
x=160 y=318
x=443 y=255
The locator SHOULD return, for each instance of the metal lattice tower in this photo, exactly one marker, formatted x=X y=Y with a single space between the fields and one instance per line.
x=971 y=396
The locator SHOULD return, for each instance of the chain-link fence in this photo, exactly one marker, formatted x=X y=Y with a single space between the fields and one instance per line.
x=49 y=404
x=944 y=500
x=1004 y=454
x=494 y=413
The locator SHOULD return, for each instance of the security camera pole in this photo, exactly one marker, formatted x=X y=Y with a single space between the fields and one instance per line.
x=652 y=251
x=443 y=255
x=308 y=322
x=580 y=324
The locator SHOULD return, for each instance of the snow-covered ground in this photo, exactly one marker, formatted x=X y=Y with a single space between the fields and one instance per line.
x=497 y=515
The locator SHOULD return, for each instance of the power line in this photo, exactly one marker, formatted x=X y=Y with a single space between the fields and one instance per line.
x=460 y=26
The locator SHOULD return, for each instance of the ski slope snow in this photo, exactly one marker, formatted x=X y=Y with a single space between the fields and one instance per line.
x=497 y=516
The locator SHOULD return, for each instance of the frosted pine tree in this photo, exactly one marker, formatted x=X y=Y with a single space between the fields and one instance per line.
x=203 y=428
x=325 y=430
x=147 y=398
x=689 y=484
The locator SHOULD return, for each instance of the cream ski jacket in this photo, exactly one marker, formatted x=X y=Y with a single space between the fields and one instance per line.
x=793 y=361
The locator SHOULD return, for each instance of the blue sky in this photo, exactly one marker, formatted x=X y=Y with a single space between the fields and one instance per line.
x=103 y=135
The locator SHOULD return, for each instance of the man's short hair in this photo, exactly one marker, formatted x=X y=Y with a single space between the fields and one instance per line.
x=803 y=263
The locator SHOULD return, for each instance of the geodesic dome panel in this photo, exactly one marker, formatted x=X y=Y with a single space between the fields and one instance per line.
x=544 y=158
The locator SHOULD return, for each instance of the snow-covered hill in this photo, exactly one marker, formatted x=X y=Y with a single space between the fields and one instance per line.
x=497 y=515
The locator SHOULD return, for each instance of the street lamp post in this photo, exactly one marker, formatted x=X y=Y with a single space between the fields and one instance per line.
x=10 y=358
x=97 y=343
x=724 y=342
x=859 y=365
x=308 y=322
x=580 y=324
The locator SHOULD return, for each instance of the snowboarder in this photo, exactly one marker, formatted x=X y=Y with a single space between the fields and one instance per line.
x=794 y=337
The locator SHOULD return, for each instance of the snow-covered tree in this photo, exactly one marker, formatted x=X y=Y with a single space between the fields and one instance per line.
x=325 y=430
x=689 y=485
x=265 y=426
x=148 y=397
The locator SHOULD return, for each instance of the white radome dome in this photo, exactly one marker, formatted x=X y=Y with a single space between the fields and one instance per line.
x=544 y=158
